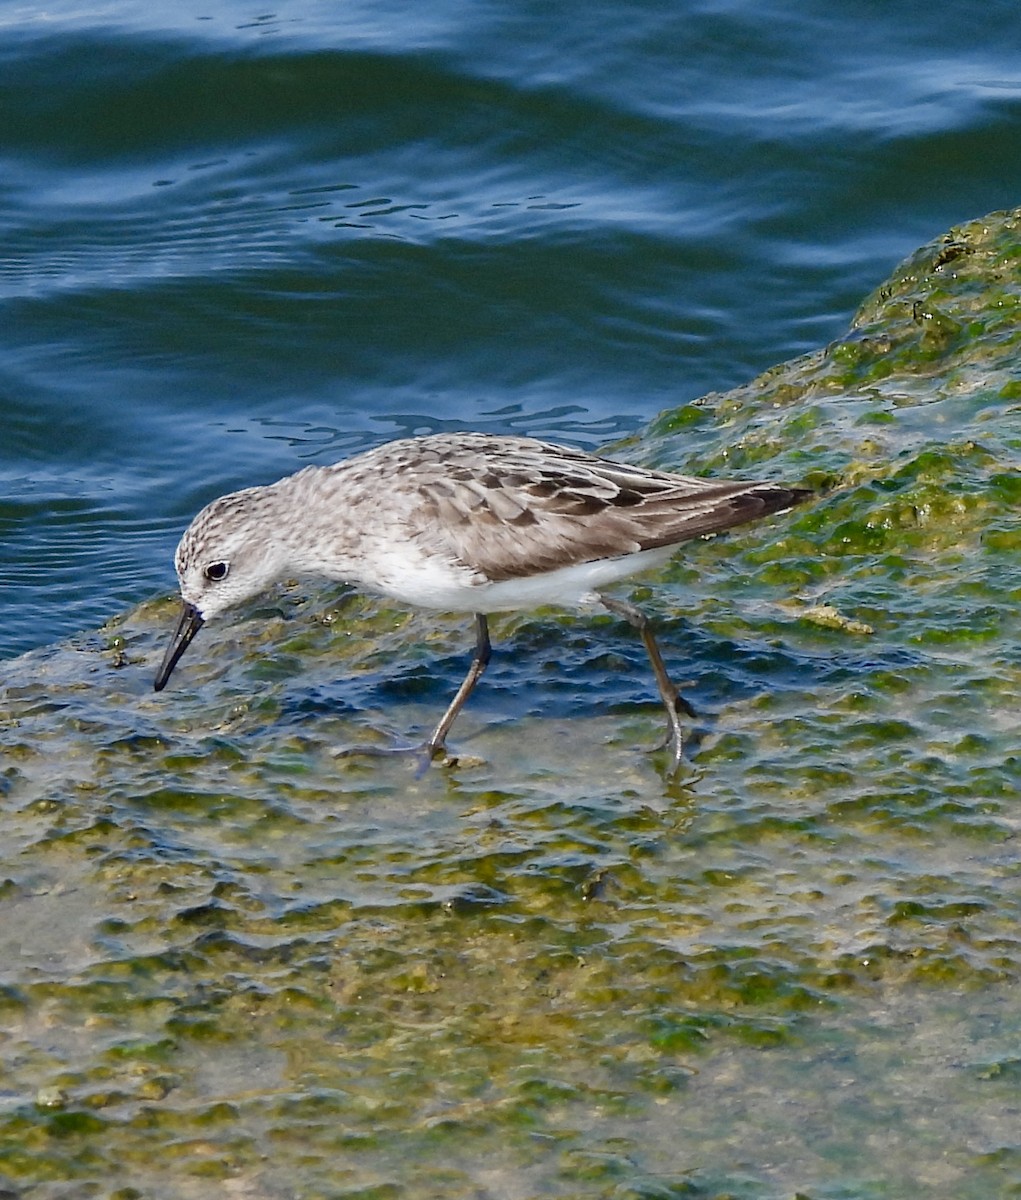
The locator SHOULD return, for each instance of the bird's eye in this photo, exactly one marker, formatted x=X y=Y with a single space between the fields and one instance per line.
x=216 y=571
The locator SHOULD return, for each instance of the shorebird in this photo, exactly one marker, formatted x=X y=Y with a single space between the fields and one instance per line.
x=463 y=522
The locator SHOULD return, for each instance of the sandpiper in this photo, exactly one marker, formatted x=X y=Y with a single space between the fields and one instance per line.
x=462 y=522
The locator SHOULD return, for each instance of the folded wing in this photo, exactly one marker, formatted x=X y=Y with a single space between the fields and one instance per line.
x=541 y=507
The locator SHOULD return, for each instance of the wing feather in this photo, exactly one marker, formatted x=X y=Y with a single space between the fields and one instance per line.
x=536 y=507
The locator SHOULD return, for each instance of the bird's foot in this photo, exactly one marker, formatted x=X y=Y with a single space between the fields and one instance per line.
x=674 y=746
x=422 y=755
x=673 y=739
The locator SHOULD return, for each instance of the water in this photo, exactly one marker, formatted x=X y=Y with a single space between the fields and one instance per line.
x=235 y=242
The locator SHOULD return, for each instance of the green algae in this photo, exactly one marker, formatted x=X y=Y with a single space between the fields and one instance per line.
x=236 y=959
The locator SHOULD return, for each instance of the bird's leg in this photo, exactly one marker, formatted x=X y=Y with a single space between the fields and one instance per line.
x=480 y=660
x=673 y=701
x=434 y=745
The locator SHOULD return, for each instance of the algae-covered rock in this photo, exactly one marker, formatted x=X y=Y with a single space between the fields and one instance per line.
x=237 y=957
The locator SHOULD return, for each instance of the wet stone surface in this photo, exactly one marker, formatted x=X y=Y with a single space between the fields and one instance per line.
x=235 y=963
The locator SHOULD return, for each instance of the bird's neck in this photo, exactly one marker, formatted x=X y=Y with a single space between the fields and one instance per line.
x=323 y=539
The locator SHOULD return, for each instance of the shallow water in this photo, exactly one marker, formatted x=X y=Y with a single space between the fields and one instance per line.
x=541 y=969
x=236 y=963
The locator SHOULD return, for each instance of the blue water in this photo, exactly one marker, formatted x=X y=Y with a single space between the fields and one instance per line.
x=237 y=241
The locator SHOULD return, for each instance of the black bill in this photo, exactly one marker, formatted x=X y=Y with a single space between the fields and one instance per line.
x=190 y=623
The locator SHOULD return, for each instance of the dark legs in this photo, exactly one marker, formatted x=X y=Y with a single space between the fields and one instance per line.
x=673 y=701
x=480 y=660
x=434 y=745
